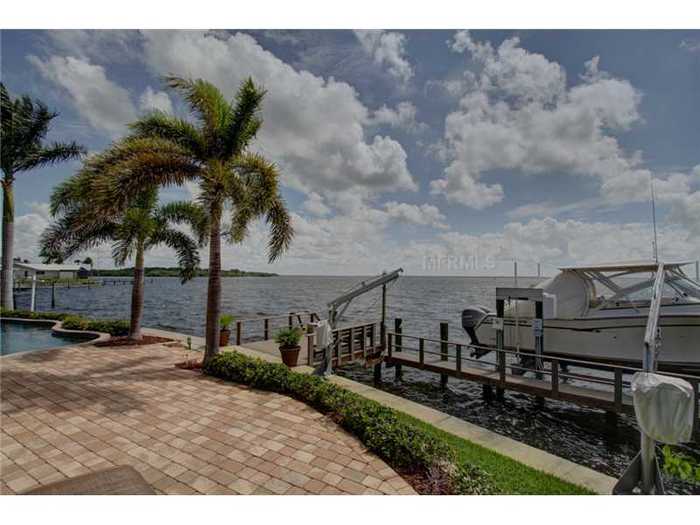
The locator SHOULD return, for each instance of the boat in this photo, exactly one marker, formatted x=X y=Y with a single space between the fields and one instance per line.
x=599 y=314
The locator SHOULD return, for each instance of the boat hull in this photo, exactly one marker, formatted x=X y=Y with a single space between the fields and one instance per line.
x=608 y=340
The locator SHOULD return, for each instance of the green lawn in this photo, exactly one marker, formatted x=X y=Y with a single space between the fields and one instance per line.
x=510 y=476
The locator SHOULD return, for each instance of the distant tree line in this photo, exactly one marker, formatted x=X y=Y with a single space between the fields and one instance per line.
x=162 y=271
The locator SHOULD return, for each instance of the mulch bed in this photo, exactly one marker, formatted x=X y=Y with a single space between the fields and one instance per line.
x=126 y=341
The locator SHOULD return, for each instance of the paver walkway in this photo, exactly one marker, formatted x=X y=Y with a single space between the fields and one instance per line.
x=79 y=409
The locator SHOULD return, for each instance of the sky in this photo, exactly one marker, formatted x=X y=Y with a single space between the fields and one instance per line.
x=442 y=152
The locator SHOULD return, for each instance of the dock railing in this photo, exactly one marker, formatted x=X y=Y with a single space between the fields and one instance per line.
x=263 y=328
x=357 y=342
x=453 y=359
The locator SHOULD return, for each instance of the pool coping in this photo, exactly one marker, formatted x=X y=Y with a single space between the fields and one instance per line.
x=57 y=328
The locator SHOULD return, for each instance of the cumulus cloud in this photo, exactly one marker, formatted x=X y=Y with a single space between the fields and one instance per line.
x=403 y=116
x=387 y=48
x=424 y=214
x=314 y=127
x=151 y=99
x=104 y=104
x=314 y=205
x=96 y=45
x=518 y=114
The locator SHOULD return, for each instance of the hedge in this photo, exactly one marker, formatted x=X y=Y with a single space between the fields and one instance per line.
x=404 y=446
x=115 y=328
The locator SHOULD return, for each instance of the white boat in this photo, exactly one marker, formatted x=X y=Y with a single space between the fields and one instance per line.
x=599 y=313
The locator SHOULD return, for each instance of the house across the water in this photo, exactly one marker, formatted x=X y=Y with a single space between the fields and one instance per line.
x=26 y=270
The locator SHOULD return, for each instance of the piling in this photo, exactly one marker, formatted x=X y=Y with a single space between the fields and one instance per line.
x=444 y=337
x=398 y=322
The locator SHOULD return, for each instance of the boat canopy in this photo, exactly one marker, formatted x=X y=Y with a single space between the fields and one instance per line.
x=633 y=266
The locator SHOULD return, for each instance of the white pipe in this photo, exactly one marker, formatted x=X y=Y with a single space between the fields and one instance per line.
x=33 y=303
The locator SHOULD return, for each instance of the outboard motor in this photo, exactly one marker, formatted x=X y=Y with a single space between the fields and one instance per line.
x=471 y=318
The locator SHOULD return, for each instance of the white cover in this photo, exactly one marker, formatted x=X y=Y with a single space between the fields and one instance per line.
x=664 y=407
x=572 y=294
x=323 y=333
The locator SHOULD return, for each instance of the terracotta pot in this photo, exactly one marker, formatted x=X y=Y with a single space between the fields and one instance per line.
x=224 y=335
x=290 y=355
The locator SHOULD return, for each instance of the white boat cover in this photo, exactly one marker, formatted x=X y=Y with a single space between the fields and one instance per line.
x=664 y=407
x=573 y=294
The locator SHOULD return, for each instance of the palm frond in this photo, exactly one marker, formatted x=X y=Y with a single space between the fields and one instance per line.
x=56 y=152
x=188 y=213
x=158 y=124
x=281 y=229
x=245 y=119
x=185 y=249
x=205 y=99
x=70 y=235
x=135 y=163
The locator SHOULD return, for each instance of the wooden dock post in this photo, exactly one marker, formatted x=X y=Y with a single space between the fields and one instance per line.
x=487 y=392
x=444 y=350
x=53 y=294
x=239 y=329
x=397 y=346
x=266 y=329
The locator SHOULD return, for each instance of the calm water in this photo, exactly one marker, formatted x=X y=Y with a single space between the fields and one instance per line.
x=20 y=337
x=579 y=434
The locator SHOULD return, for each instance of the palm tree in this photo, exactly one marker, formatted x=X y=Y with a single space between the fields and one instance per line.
x=132 y=232
x=213 y=151
x=25 y=123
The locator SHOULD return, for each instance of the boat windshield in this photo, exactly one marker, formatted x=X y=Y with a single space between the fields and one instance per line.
x=614 y=289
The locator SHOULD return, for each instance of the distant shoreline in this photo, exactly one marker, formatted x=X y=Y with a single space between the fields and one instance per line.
x=160 y=271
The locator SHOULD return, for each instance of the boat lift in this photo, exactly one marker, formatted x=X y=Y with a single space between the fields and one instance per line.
x=338 y=306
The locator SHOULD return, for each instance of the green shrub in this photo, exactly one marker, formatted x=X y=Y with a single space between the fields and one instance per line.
x=225 y=321
x=680 y=465
x=27 y=314
x=288 y=337
x=401 y=444
x=115 y=328
x=75 y=322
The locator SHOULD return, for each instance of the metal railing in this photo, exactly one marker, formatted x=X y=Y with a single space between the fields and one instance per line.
x=262 y=328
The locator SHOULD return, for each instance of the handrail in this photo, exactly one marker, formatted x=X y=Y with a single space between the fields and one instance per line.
x=280 y=316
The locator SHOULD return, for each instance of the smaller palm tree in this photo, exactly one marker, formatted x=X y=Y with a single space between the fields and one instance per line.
x=133 y=231
x=25 y=124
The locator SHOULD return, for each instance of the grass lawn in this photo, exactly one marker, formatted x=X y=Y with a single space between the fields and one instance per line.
x=510 y=476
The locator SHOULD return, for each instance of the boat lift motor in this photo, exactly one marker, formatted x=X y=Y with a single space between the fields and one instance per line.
x=338 y=306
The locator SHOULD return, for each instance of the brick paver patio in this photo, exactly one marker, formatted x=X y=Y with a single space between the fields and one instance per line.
x=75 y=410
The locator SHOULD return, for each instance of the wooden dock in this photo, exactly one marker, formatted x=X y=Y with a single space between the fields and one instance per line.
x=584 y=383
x=589 y=384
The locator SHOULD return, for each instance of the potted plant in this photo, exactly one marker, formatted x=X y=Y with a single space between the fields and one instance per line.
x=288 y=339
x=224 y=335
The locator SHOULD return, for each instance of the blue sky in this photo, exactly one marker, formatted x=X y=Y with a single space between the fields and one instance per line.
x=450 y=152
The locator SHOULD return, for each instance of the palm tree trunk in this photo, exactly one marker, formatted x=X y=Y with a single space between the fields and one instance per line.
x=8 y=234
x=137 y=296
x=214 y=285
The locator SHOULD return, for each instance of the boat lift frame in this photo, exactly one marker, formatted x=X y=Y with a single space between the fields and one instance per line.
x=338 y=306
x=645 y=466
